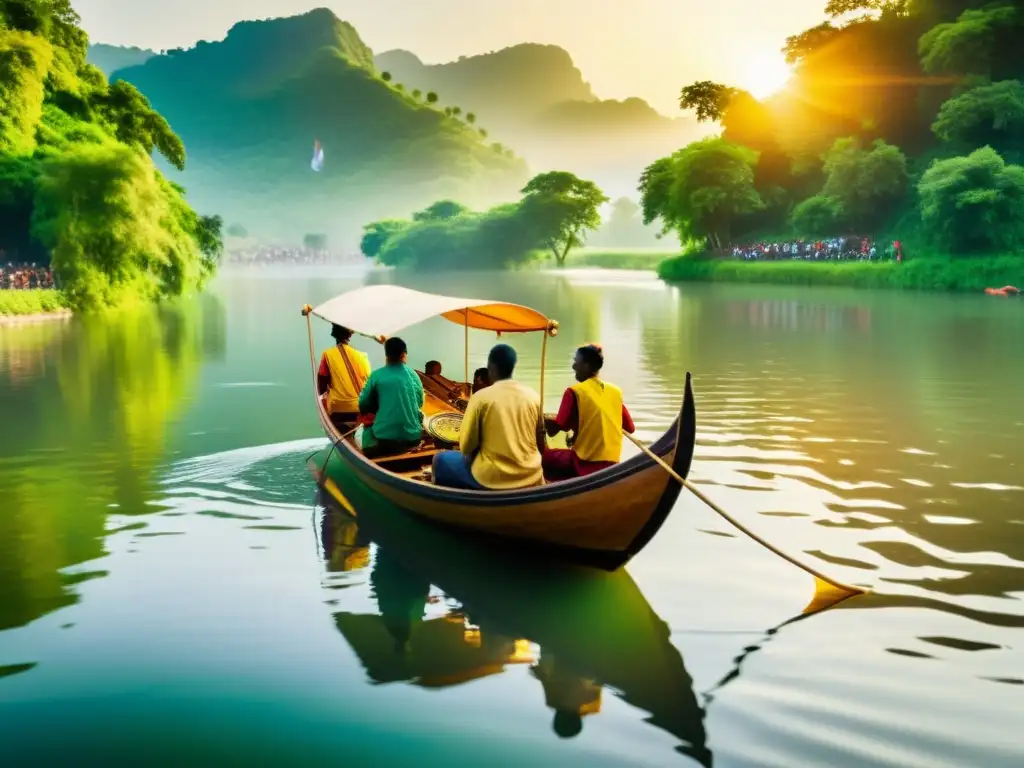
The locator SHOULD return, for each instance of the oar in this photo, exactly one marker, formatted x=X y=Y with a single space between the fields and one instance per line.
x=838 y=585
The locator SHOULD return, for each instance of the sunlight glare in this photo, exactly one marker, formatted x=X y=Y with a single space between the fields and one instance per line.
x=766 y=74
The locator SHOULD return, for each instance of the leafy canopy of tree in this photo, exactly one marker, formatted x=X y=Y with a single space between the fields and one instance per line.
x=701 y=190
x=563 y=206
x=315 y=241
x=77 y=184
x=556 y=211
x=903 y=117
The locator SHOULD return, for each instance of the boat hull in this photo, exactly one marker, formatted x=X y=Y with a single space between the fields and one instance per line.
x=602 y=519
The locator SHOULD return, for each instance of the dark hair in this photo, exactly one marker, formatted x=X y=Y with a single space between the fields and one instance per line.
x=430 y=364
x=567 y=724
x=504 y=359
x=340 y=333
x=394 y=348
x=592 y=355
x=481 y=373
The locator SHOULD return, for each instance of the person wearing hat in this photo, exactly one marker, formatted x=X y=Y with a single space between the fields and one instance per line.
x=343 y=374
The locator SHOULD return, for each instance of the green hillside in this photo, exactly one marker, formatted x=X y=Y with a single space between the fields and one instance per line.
x=533 y=97
x=249 y=108
x=109 y=58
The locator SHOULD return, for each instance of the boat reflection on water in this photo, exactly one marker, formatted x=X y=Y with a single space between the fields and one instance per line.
x=580 y=630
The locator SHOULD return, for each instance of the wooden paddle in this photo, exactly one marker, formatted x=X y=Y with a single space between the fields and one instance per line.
x=847 y=588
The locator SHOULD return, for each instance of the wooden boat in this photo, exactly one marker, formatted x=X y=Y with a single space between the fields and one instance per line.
x=602 y=519
x=585 y=633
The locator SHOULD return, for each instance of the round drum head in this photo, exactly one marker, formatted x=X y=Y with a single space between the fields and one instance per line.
x=445 y=427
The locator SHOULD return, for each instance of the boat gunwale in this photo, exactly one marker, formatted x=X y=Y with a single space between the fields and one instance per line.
x=662 y=447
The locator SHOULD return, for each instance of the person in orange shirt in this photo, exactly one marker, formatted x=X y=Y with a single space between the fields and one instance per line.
x=342 y=376
x=594 y=410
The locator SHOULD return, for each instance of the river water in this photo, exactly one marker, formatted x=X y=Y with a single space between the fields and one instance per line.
x=170 y=590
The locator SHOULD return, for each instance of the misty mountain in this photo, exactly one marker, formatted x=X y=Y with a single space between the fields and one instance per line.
x=110 y=58
x=249 y=108
x=534 y=98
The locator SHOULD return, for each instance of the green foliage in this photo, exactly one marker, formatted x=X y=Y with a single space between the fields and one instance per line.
x=385 y=76
x=973 y=203
x=708 y=99
x=924 y=274
x=432 y=98
x=314 y=241
x=556 y=211
x=77 y=187
x=818 y=216
x=865 y=182
x=377 y=234
x=441 y=210
x=24 y=62
x=988 y=114
x=973 y=44
x=701 y=190
x=31 y=302
x=564 y=208
x=116 y=229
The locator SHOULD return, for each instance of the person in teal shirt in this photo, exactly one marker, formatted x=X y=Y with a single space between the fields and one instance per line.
x=394 y=395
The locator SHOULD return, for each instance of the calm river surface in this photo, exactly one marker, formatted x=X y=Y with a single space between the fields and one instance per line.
x=171 y=592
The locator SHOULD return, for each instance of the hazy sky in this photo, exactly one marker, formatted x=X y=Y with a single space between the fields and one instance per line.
x=646 y=48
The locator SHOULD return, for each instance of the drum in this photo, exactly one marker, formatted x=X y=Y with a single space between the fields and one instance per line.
x=445 y=427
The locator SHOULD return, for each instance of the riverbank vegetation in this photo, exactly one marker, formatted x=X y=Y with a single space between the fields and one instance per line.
x=78 y=187
x=36 y=301
x=930 y=274
x=904 y=119
x=553 y=217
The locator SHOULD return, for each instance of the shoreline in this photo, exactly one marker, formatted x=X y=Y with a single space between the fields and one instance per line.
x=940 y=275
x=37 y=317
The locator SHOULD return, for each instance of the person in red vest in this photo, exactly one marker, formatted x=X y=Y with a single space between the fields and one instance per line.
x=898 y=247
x=594 y=411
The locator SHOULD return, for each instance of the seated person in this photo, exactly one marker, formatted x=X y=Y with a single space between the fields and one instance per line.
x=446 y=387
x=432 y=368
x=342 y=375
x=394 y=395
x=481 y=379
x=594 y=410
x=499 y=442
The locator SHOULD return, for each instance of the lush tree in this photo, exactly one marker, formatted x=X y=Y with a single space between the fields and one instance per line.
x=117 y=228
x=441 y=210
x=624 y=227
x=701 y=190
x=988 y=114
x=973 y=203
x=133 y=121
x=978 y=42
x=456 y=111
x=708 y=99
x=315 y=241
x=563 y=207
x=386 y=77
x=866 y=182
x=24 y=62
x=377 y=234
x=432 y=98
x=470 y=118
x=800 y=46
x=417 y=94
x=818 y=216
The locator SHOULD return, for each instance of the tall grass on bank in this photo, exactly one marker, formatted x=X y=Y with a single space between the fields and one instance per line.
x=964 y=274
x=37 y=301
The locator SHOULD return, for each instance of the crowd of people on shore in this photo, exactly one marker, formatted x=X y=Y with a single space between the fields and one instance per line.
x=847 y=248
x=276 y=254
x=23 y=277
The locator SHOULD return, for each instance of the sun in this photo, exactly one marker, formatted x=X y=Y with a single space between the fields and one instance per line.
x=765 y=75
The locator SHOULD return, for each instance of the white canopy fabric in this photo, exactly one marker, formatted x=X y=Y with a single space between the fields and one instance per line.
x=383 y=310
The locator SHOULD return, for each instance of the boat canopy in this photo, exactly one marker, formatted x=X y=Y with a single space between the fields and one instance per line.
x=383 y=310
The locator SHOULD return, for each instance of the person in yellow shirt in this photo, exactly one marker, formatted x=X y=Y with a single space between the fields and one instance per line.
x=342 y=376
x=594 y=411
x=500 y=440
